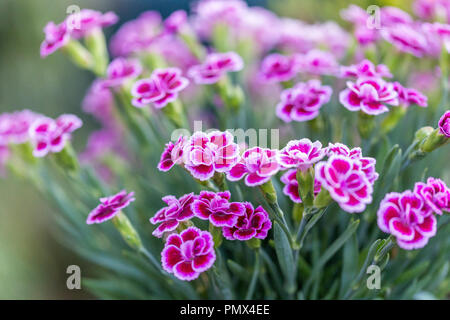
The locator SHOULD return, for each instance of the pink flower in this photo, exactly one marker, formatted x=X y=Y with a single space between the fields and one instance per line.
x=291 y=185
x=303 y=101
x=408 y=96
x=444 y=124
x=406 y=38
x=110 y=206
x=359 y=18
x=14 y=127
x=301 y=154
x=443 y=32
x=217 y=208
x=160 y=89
x=188 y=254
x=136 y=35
x=392 y=16
x=369 y=95
x=318 y=62
x=365 y=69
x=205 y=154
x=257 y=164
x=176 y=21
x=435 y=193
x=430 y=9
x=367 y=164
x=255 y=223
x=86 y=21
x=172 y=155
x=48 y=135
x=408 y=218
x=99 y=102
x=56 y=37
x=278 y=68
x=346 y=182
x=215 y=67
x=177 y=210
x=120 y=70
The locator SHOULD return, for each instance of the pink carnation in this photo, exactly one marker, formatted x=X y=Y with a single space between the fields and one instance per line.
x=188 y=254
x=301 y=154
x=365 y=69
x=48 y=135
x=257 y=164
x=176 y=21
x=408 y=96
x=346 y=182
x=215 y=67
x=14 y=127
x=369 y=95
x=177 y=210
x=435 y=193
x=160 y=89
x=359 y=17
x=204 y=154
x=303 y=101
x=110 y=206
x=291 y=185
x=86 y=21
x=444 y=124
x=255 y=223
x=172 y=155
x=120 y=70
x=406 y=38
x=318 y=62
x=279 y=68
x=99 y=102
x=407 y=217
x=56 y=37
x=217 y=208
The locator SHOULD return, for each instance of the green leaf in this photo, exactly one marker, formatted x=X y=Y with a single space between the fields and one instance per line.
x=285 y=257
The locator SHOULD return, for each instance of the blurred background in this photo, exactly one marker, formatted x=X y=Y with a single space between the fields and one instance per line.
x=32 y=263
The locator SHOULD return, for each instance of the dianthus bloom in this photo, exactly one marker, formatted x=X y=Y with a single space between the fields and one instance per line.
x=407 y=217
x=188 y=254
x=365 y=69
x=176 y=21
x=56 y=37
x=204 y=154
x=255 y=223
x=217 y=208
x=161 y=88
x=86 y=21
x=177 y=210
x=279 y=68
x=408 y=96
x=303 y=101
x=346 y=182
x=407 y=38
x=257 y=164
x=301 y=154
x=48 y=135
x=172 y=154
x=215 y=67
x=435 y=193
x=120 y=70
x=291 y=185
x=444 y=124
x=14 y=127
x=369 y=95
x=110 y=206
x=318 y=62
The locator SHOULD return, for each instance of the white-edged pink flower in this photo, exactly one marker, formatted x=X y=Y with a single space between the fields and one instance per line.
x=161 y=88
x=301 y=154
x=279 y=68
x=50 y=136
x=318 y=62
x=215 y=67
x=409 y=96
x=14 y=127
x=81 y=24
x=407 y=217
x=346 y=182
x=172 y=154
x=406 y=38
x=204 y=154
x=56 y=37
x=365 y=68
x=435 y=193
x=369 y=95
x=303 y=101
x=110 y=206
x=444 y=124
x=257 y=165
x=120 y=70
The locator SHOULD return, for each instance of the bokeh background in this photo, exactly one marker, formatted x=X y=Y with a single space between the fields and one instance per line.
x=32 y=263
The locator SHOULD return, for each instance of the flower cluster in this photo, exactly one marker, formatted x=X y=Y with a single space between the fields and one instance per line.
x=409 y=216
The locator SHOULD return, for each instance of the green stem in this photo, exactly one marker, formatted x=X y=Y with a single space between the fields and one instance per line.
x=252 y=286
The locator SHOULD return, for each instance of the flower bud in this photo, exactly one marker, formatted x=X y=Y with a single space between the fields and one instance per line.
x=127 y=231
x=323 y=199
x=67 y=158
x=423 y=133
x=433 y=141
x=306 y=186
